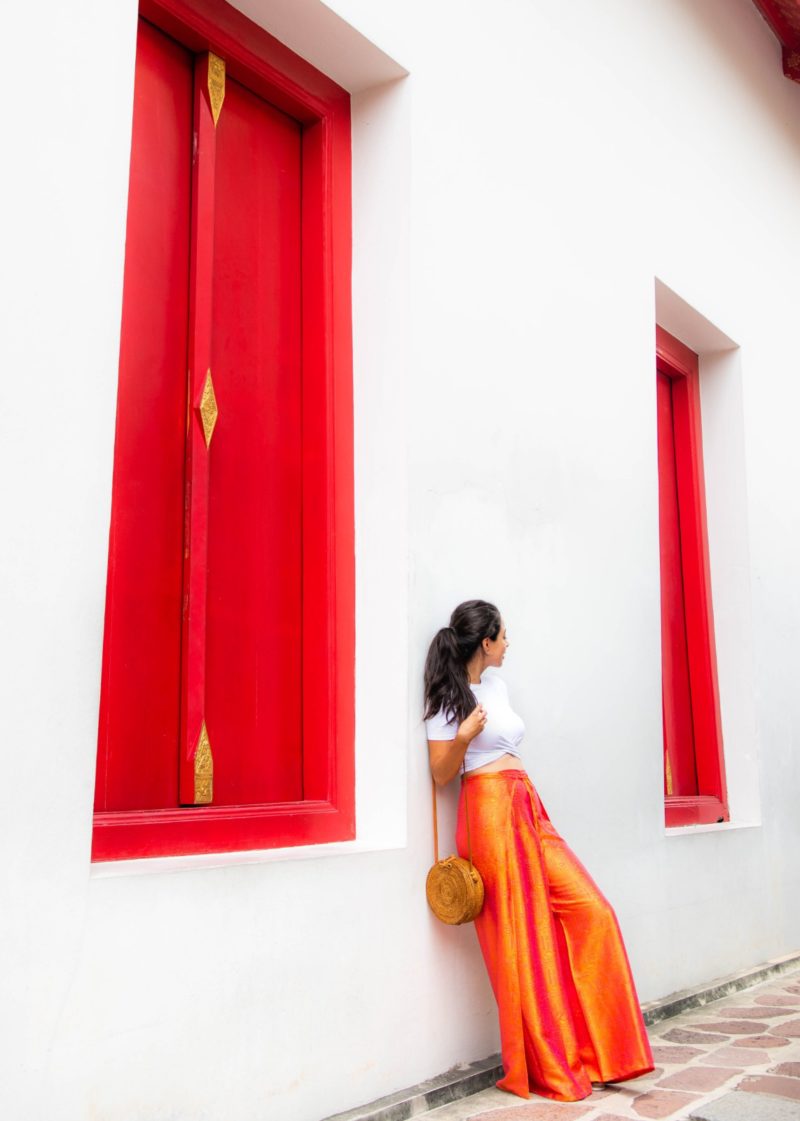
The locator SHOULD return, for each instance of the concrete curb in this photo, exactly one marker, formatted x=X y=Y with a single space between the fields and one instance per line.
x=676 y=1003
x=470 y=1078
x=457 y=1083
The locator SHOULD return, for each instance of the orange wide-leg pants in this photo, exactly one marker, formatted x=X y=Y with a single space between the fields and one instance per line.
x=569 y=1014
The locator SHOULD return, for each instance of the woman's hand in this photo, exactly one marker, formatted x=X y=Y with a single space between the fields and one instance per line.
x=446 y=756
x=474 y=724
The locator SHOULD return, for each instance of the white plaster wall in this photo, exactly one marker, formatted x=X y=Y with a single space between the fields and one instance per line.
x=514 y=199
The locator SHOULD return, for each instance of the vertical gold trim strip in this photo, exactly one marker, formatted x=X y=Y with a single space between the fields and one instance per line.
x=216 y=84
x=203 y=770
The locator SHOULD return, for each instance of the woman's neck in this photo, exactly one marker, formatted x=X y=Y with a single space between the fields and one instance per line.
x=475 y=668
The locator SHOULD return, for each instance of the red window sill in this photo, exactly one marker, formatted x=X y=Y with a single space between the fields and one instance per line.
x=699 y=809
x=138 y=834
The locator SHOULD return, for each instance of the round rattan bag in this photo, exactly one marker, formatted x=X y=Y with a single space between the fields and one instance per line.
x=455 y=890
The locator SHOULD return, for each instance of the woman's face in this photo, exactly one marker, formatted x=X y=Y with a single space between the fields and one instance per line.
x=494 y=650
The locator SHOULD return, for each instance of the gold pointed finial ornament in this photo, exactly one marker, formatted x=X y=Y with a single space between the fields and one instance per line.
x=216 y=84
x=203 y=770
x=208 y=409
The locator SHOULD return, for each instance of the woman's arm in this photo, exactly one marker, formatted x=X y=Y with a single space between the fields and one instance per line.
x=446 y=756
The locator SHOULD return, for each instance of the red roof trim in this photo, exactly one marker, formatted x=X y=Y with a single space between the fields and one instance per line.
x=783 y=17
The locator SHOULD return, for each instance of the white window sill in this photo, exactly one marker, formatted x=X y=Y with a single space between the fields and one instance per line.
x=713 y=827
x=112 y=868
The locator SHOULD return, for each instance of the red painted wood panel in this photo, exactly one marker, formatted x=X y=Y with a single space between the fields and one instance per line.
x=252 y=56
x=254 y=651
x=319 y=669
x=139 y=710
x=679 y=764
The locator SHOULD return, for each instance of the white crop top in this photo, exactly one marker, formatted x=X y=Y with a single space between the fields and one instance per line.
x=503 y=732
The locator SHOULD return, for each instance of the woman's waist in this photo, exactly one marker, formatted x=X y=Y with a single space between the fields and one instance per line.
x=503 y=764
x=478 y=755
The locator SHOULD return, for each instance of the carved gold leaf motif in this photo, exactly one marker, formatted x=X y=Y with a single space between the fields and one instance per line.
x=208 y=409
x=203 y=770
x=216 y=84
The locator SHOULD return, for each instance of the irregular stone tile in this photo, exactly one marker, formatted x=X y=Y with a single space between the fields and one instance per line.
x=702 y=1078
x=676 y=1054
x=771 y=1084
x=789 y=1028
x=661 y=1103
x=733 y=1027
x=536 y=1111
x=734 y=1106
x=791 y=1070
x=682 y=1035
x=781 y=1001
x=737 y=1057
x=748 y=1011
x=762 y=1041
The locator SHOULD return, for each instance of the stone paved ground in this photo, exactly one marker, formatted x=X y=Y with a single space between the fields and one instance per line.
x=737 y=1058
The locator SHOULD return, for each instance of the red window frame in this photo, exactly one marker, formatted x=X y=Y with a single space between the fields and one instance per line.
x=327 y=811
x=685 y=565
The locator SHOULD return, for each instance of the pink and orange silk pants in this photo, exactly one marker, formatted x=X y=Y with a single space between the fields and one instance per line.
x=569 y=1014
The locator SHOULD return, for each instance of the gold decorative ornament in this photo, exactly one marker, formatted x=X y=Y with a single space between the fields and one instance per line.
x=669 y=776
x=203 y=770
x=208 y=409
x=216 y=84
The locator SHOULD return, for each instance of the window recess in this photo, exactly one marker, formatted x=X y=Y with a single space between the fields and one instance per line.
x=694 y=768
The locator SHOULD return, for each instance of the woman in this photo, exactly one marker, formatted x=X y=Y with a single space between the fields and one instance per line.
x=569 y=1015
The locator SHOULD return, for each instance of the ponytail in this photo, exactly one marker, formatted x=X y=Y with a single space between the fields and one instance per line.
x=446 y=679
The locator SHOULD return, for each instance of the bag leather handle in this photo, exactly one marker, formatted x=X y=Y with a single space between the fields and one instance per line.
x=436 y=822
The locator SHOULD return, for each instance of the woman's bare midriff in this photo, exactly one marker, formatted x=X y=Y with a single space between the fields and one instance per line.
x=504 y=763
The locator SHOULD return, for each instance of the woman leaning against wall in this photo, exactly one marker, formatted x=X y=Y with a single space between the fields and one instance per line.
x=569 y=1014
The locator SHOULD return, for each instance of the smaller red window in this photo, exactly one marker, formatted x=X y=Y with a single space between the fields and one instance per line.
x=694 y=768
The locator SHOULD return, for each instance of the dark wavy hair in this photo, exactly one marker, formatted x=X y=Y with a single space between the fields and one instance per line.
x=446 y=680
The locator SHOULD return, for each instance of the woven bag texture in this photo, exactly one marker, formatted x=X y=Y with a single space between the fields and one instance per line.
x=455 y=890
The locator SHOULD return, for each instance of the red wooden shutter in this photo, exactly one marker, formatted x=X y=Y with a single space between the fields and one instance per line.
x=254 y=651
x=139 y=718
x=680 y=773
x=694 y=775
